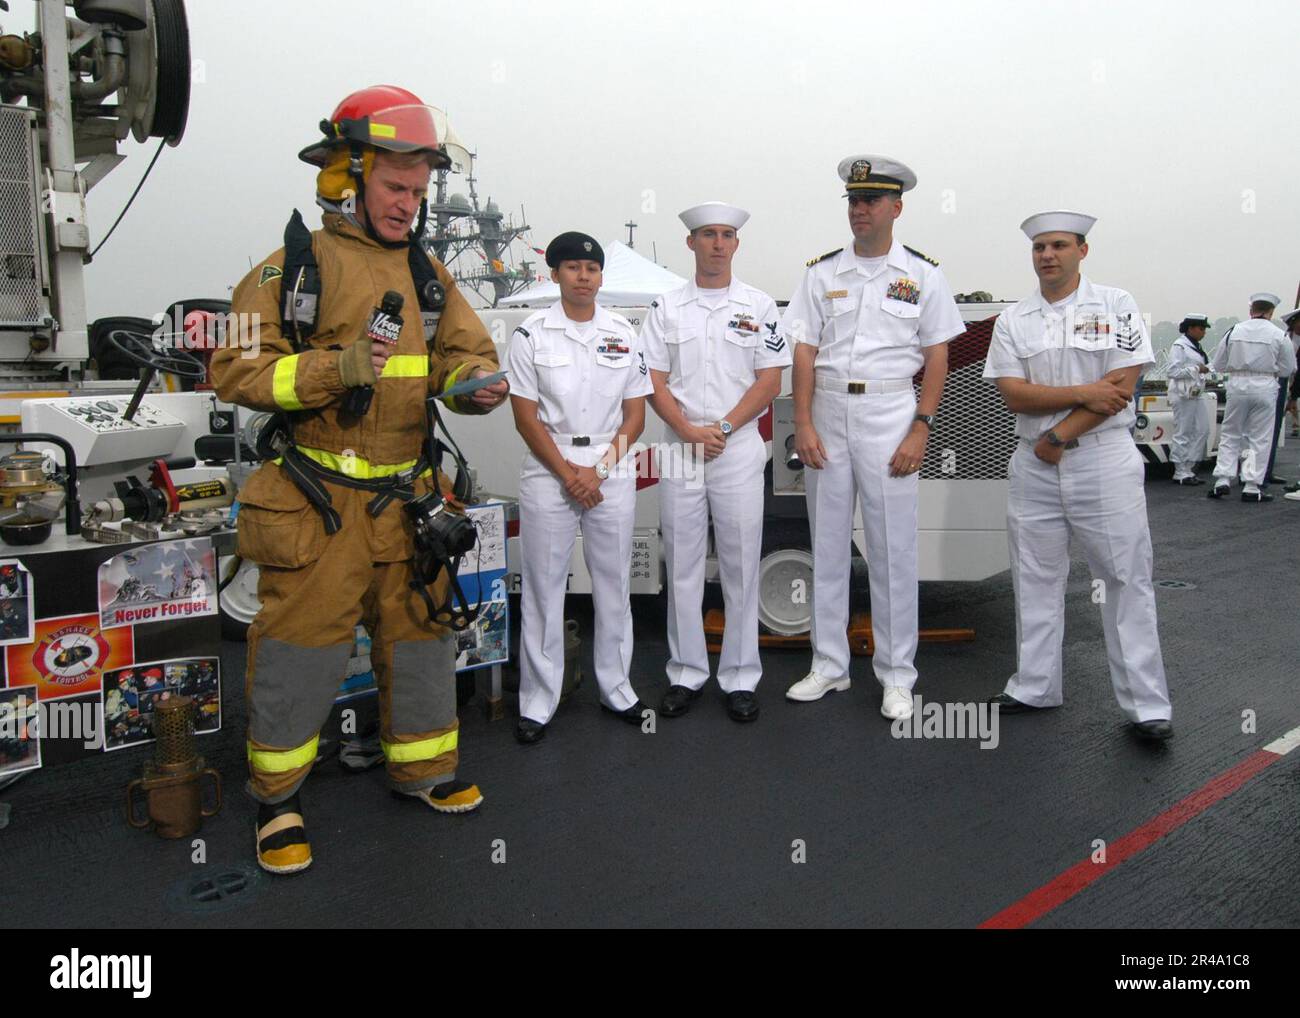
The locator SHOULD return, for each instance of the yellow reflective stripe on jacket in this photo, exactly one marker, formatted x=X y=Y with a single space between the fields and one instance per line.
x=355 y=466
x=425 y=749
x=451 y=379
x=282 y=383
x=278 y=761
x=406 y=365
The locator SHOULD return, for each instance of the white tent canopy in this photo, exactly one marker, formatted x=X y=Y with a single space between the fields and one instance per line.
x=629 y=281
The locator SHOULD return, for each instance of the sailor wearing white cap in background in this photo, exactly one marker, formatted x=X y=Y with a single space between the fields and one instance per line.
x=715 y=352
x=1188 y=365
x=864 y=321
x=1253 y=353
x=1065 y=360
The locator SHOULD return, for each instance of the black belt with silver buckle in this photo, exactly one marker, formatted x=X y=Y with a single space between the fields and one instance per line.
x=580 y=440
x=857 y=388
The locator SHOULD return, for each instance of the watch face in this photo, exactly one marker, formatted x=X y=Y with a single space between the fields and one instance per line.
x=725 y=426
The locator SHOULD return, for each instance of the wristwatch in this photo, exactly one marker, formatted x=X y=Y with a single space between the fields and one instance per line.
x=602 y=471
x=725 y=426
x=926 y=419
x=1054 y=439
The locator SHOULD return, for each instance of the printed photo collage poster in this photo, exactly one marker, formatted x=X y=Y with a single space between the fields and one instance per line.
x=482 y=576
x=94 y=638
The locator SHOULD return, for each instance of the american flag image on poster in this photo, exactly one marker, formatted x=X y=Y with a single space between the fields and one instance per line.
x=158 y=582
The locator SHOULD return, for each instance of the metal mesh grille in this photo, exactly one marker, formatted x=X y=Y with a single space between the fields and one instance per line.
x=173 y=727
x=974 y=433
x=20 y=289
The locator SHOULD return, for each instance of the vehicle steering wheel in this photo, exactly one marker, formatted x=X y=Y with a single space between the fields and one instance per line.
x=139 y=349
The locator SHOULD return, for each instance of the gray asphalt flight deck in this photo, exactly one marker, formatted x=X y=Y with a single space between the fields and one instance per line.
x=701 y=822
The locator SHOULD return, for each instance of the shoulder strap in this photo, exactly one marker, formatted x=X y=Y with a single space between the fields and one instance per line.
x=922 y=256
x=300 y=288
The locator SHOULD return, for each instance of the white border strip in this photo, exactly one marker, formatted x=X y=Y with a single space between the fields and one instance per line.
x=1285 y=744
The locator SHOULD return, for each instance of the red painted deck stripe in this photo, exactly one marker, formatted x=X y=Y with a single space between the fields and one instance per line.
x=1038 y=903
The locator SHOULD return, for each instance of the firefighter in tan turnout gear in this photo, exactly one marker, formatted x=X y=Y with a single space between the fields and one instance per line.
x=325 y=519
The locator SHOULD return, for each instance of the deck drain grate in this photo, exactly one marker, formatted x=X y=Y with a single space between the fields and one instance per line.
x=216 y=890
x=1175 y=585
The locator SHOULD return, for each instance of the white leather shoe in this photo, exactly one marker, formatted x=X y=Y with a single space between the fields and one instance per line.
x=897 y=703
x=814 y=686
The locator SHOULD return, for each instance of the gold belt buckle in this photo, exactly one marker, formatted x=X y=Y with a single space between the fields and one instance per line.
x=857 y=388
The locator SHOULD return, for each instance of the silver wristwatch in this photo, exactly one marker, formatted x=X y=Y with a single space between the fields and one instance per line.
x=602 y=471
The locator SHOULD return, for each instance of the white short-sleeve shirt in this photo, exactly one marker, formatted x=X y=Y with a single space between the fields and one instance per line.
x=872 y=325
x=1096 y=332
x=578 y=373
x=712 y=350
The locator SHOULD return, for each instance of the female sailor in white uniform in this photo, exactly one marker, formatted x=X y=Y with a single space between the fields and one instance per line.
x=578 y=383
x=1188 y=366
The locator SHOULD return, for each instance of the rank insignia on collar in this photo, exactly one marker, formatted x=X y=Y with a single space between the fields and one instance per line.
x=905 y=290
x=833 y=294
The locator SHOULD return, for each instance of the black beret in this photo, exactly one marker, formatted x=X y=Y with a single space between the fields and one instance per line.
x=573 y=246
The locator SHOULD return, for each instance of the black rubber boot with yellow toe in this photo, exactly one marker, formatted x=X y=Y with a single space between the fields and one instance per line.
x=450 y=797
x=281 y=837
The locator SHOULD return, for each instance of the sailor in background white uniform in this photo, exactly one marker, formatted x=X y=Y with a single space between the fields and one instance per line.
x=715 y=352
x=1253 y=353
x=864 y=321
x=578 y=384
x=1065 y=360
x=1188 y=366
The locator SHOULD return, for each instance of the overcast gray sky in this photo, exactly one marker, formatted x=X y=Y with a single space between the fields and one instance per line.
x=1173 y=122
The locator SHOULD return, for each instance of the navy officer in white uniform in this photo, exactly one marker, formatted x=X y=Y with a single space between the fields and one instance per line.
x=715 y=351
x=865 y=319
x=1066 y=360
x=578 y=383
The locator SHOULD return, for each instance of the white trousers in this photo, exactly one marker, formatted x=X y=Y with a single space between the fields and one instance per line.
x=1191 y=432
x=1247 y=434
x=1096 y=495
x=549 y=522
x=860 y=434
x=730 y=489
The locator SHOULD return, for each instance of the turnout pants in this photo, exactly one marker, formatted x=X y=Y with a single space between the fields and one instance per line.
x=730 y=489
x=1096 y=495
x=1247 y=435
x=549 y=522
x=1191 y=431
x=298 y=649
x=860 y=434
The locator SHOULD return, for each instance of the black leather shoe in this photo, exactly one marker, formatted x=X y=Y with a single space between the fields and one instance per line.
x=529 y=731
x=1256 y=496
x=677 y=701
x=1153 y=731
x=1293 y=486
x=1218 y=491
x=1007 y=704
x=632 y=715
x=1188 y=482
x=742 y=705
